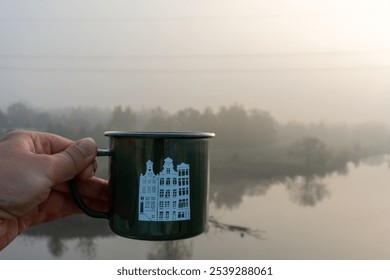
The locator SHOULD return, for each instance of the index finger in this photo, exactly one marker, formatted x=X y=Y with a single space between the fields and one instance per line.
x=49 y=143
x=37 y=142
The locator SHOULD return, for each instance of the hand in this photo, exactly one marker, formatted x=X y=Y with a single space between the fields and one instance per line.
x=35 y=168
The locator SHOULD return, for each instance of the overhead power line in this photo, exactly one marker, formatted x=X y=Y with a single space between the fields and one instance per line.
x=189 y=71
x=78 y=57
x=189 y=17
x=191 y=56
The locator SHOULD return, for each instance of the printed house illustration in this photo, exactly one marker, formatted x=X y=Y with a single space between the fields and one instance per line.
x=164 y=196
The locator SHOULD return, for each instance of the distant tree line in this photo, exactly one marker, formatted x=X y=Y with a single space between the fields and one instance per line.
x=239 y=131
x=235 y=126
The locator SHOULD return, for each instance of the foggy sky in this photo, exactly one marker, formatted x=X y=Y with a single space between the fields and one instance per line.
x=300 y=60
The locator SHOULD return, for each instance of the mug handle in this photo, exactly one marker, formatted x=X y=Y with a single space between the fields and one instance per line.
x=76 y=196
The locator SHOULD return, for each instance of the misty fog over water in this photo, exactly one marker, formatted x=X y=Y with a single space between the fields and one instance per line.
x=296 y=92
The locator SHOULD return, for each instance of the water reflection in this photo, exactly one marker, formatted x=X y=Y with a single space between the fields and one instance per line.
x=85 y=230
x=231 y=182
x=78 y=227
x=86 y=245
x=56 y=246
x=307 y=190
x=242 y=231
x=171 y=250
x=183 y=249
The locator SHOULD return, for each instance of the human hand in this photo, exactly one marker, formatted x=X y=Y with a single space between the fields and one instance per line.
x=35 y=168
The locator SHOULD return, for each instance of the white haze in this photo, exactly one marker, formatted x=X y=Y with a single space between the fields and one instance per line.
x=300 y=60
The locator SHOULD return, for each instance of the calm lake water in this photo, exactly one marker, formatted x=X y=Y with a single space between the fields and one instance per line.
x=341 y=215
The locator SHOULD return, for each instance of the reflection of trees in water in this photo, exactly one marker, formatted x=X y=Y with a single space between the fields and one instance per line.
x=308 y=159
x=171 y=250
x=56 y=246
x=375 y=160
x=307 y=190
x=60 y=232
x=78 y=228
x=229 y=192
x=231 y=180
x=87 y=247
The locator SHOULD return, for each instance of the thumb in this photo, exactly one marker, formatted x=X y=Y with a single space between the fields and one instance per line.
x=73 y=160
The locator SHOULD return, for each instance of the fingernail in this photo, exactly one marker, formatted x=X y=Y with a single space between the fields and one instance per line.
x=87 y=146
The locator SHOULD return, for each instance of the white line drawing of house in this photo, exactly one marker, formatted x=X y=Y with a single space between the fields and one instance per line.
x=164 y=196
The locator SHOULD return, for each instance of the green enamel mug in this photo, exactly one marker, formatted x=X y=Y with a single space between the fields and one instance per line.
x=158 y=184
